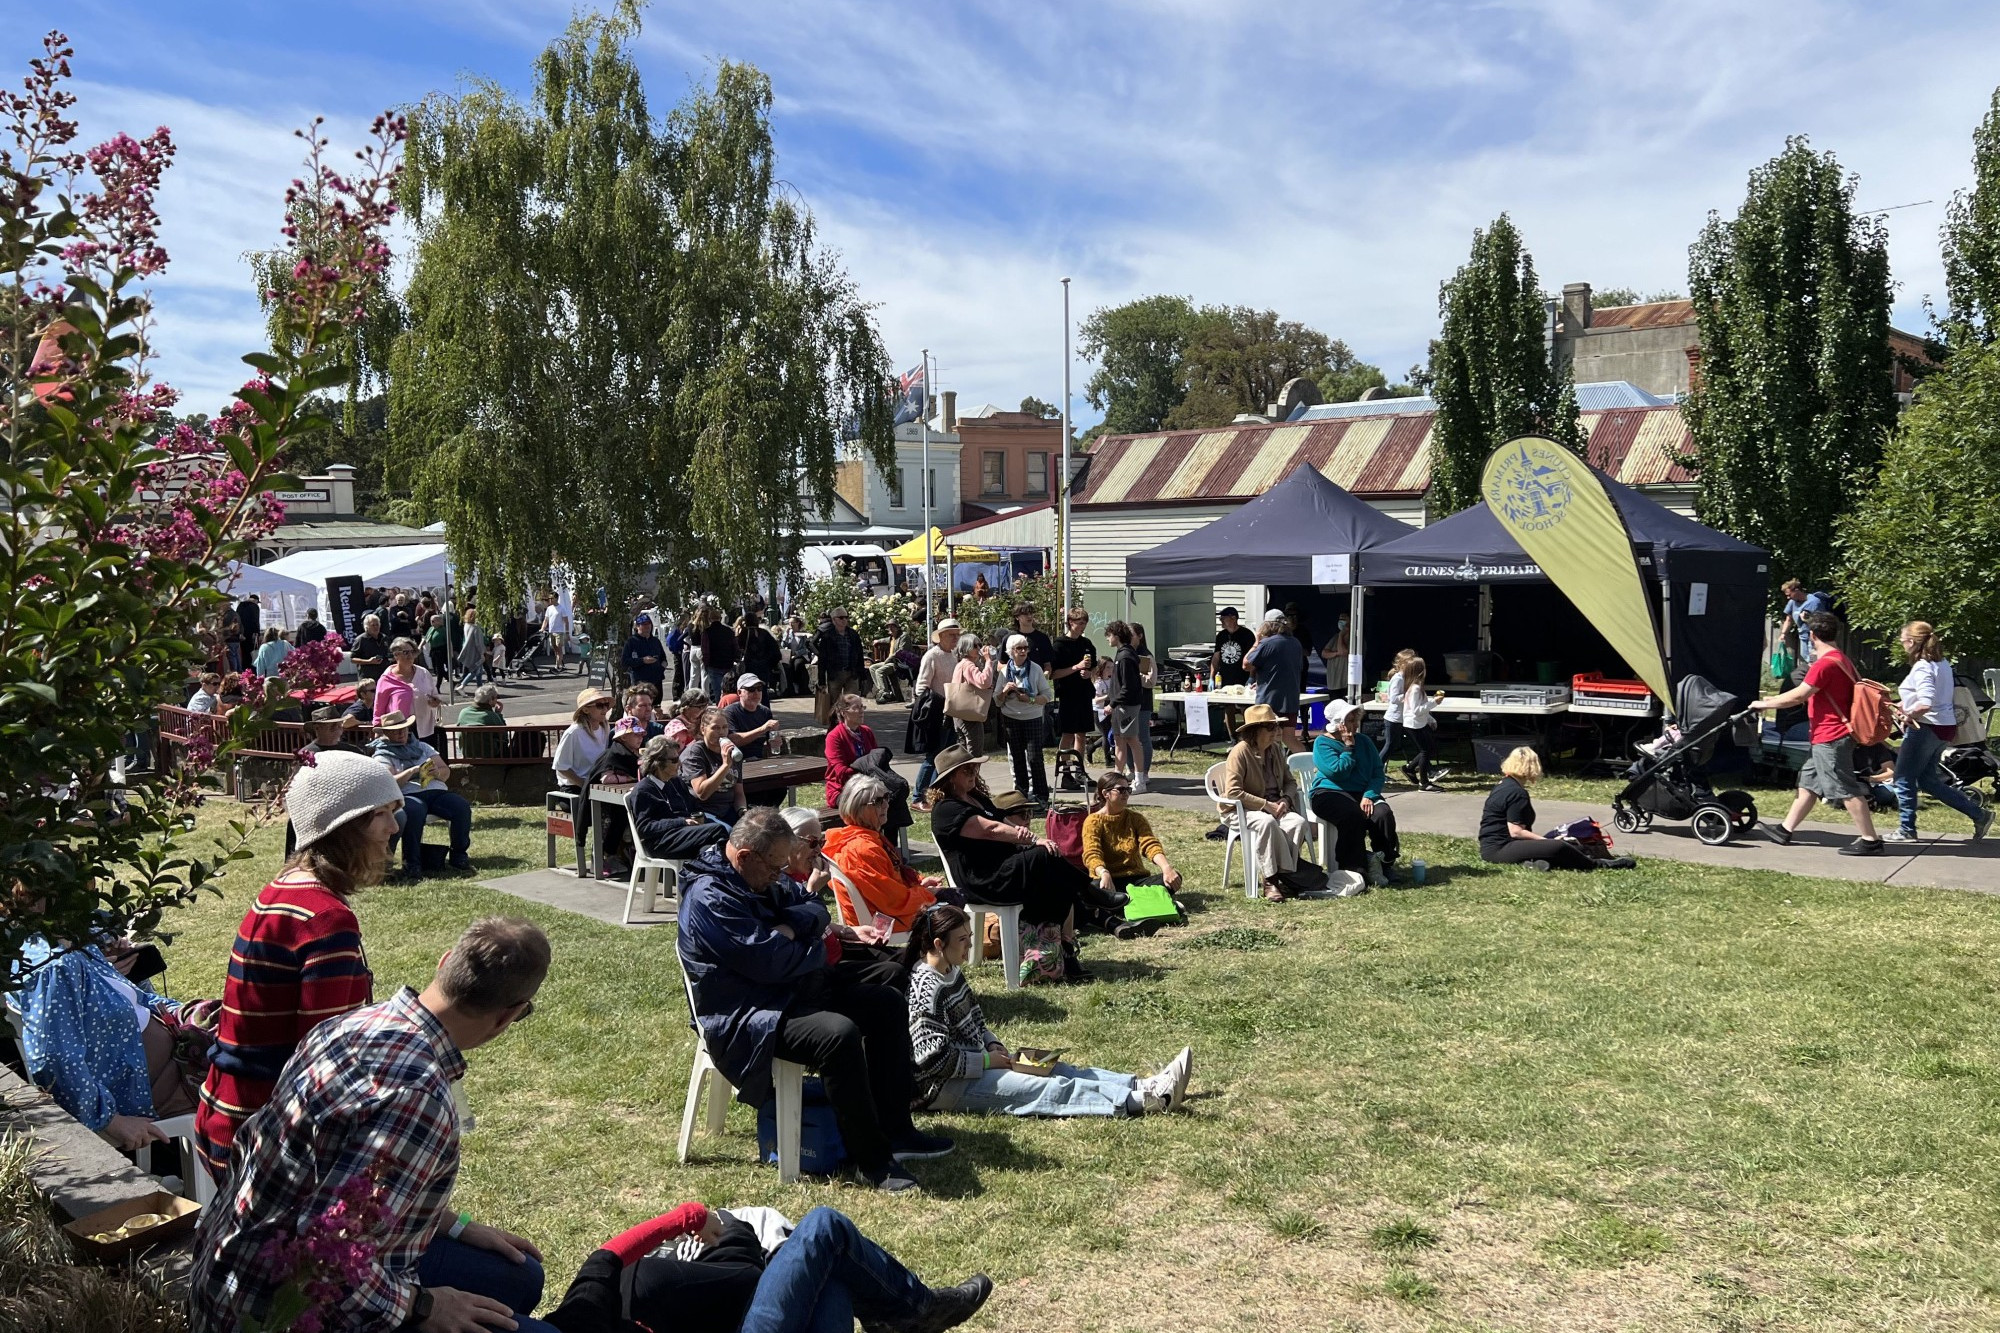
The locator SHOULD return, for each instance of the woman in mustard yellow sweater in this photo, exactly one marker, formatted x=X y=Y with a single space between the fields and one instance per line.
x=1119 y=846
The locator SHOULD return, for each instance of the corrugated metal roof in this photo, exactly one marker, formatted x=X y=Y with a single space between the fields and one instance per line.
x=1610 y=394
x=1374 y=456
x=1651 y=315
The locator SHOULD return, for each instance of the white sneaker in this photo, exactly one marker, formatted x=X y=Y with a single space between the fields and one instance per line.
x=1139 y=785
x=1179 y=1068
x=1155 y=1093
x=1897 y=835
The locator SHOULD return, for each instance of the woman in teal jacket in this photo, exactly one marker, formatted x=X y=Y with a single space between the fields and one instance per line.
x=1346 y=792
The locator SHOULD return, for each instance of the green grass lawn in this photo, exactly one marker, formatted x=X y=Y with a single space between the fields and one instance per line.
x=1679 y=1098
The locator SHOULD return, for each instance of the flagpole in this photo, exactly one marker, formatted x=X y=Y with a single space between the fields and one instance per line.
x=1062 y=554
x=924 y=411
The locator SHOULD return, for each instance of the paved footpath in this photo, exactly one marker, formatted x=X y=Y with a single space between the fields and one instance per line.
x=1945 y=861
x=1941 y=862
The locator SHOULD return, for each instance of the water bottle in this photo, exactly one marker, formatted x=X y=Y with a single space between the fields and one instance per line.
x=1417 y=871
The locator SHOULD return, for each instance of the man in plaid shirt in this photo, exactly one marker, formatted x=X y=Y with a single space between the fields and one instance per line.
x=369 y=1095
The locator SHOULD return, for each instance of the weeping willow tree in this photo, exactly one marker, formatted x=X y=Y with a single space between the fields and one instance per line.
x=624 y=345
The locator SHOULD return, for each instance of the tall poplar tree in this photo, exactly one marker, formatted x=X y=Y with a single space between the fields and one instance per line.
x=1971 y=237
x=1490 y=371
x=625 y=346
x=1794 y=397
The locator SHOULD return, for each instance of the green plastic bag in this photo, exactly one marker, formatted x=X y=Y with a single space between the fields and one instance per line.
x=1150 y=901
x=1782 y=663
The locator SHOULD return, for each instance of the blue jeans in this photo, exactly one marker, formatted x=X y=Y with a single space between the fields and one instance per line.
x=712 y=681
x=825 y=1275
x=1071 y=1091
x=1917 y=770
x=418 y=806
x=453 y=1263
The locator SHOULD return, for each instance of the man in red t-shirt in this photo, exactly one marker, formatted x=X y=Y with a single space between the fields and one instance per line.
x=1828 y=774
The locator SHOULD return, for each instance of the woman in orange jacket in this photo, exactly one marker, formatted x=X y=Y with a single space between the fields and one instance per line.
x=865 y=855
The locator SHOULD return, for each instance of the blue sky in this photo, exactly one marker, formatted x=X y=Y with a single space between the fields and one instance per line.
x=1328 y=160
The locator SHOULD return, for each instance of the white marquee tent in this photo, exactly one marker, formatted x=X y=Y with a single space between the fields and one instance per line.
x=289 y=585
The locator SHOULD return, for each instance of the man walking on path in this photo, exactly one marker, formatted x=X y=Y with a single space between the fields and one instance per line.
x=840 y=659
x=1798 y=605
x=1828 y=774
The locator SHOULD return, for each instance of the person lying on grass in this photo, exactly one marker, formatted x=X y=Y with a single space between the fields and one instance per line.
x=1507 y=825
x=825 y=1274
x=962 y=1066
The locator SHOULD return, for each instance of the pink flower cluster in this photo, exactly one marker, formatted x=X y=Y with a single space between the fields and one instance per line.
x=125 y=225
x=312 y=666
x=334 y=1254
x=335 y=225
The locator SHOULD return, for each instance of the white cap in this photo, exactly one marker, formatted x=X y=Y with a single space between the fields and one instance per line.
x=336 y=789
x=1273 y=616
x=749 y=681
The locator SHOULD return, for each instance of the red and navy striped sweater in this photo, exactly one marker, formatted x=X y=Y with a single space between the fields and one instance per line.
x=297 y=961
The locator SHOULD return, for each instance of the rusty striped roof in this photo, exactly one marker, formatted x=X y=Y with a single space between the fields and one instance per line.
x=1650 y=315
x=1374 y=457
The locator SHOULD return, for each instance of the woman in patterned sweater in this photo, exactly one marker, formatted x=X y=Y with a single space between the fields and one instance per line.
x=297 y=960
x=962 y=1066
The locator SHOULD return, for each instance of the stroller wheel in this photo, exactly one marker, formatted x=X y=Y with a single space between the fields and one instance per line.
x=1742 y=806
x=1713 y=824
x=1624 y=820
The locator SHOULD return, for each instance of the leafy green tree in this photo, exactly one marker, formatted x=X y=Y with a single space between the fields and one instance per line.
x=1036 y=407
x=1489 y=368
x=1971 y=237
x=625 y=345
x=122 y=520
x=1794 y=398
x=1137 y=347
x=1922 y=539
x=1614 y=296
x=1238 y=359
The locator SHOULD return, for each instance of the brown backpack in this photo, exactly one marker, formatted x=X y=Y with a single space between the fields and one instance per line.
x=1868 y=718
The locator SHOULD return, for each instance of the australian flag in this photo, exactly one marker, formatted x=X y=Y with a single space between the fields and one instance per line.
x=910 y=394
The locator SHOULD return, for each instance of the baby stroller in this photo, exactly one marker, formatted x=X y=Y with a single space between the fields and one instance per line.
x=1966 y=766
x=1670 y=783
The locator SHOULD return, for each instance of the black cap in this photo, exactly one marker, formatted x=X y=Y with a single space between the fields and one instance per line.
x=1225 y=611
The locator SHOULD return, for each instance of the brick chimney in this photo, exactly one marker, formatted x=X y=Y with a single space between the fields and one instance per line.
x=1576 y=306
x=950 y=397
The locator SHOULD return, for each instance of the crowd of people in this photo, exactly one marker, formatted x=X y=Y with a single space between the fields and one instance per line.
x=309 y=1092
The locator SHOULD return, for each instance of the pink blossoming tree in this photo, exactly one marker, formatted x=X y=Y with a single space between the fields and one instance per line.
x=119 y=525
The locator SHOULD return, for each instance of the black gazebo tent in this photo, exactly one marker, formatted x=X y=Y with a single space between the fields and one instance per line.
x=1712 y=587
x=1271 y=540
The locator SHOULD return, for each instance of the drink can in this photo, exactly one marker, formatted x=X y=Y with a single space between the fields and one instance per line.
x=1417 y=872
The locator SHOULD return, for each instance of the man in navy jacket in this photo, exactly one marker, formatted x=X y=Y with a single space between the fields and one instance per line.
x=755 y=948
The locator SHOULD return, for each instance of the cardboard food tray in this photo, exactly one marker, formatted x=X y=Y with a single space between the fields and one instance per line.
x=183 y=1214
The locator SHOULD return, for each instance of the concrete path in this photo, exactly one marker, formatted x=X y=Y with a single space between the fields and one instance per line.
x=1940 y=862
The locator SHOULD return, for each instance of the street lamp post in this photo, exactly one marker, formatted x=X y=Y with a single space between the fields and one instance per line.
x=1062 y=542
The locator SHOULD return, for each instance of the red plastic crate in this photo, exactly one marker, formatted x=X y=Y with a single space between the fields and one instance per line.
x=1594 y=682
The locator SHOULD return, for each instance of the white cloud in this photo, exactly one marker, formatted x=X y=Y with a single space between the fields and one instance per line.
x=1328 y=160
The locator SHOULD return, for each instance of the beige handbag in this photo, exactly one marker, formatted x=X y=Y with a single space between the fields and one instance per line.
x=966 y=703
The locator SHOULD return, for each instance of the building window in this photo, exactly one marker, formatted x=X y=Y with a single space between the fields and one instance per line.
x=933 y=488
x=894 y=476
x=993 y=473
x=1038 y=474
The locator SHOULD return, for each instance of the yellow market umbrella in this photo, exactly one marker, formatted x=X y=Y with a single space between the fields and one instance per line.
x=911 y=552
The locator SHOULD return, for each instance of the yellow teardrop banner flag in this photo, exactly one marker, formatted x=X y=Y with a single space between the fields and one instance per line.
x=1557 y=508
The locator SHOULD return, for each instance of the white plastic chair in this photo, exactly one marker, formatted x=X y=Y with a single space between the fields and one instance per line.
x=1303 y=772
x=179 y=1129
x=1009 y=915
x=648 y=870
x=787 y=1076
x=897 y=938
x=1239 y=830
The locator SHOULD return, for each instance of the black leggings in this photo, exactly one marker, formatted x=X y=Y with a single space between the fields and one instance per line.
x=857 y=1038
x=1560 y=853
x=1354 y=831
x=1045 y=887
